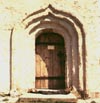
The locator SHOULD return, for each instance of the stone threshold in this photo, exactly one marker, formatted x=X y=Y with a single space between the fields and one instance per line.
x=40 y=98
x=47 y=98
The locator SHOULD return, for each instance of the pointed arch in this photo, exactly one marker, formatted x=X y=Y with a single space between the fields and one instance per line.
x=71 y=29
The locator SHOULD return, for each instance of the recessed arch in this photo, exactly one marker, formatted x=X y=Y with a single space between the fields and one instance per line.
x=71 y=45
x=69 y=27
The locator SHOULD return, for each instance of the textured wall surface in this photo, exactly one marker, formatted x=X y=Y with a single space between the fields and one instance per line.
x=11 y=15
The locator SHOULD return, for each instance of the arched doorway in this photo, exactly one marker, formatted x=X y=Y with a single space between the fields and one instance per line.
x=51 y=20
x=50 y=61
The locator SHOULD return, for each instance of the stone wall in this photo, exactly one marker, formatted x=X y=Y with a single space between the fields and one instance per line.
x=13 y=65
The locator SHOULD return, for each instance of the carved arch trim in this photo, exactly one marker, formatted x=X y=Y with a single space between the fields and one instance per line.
x=71 y=29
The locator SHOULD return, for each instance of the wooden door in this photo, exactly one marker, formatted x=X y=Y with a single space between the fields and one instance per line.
x=50 y=61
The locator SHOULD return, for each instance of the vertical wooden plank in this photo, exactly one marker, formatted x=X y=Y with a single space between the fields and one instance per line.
x=38 y=66
x=38 y=83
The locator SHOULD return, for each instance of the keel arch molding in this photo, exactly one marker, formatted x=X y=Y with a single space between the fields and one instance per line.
x=70 y=28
